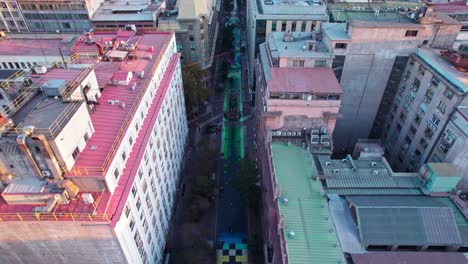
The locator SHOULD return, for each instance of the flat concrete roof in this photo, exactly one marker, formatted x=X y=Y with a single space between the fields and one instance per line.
x=35 y=45
x=280 y=48
x=443 y=67
x=126 y=11
x=336 y=31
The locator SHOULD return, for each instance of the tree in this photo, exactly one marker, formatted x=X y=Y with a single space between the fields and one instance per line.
x=246 y=183
x=195 y=91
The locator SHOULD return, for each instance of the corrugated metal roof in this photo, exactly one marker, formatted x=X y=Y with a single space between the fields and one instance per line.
x=398 y=257
x=306 y=212
x=374 y=191
x=407 y=226
x=408 y=201
x=363 y=174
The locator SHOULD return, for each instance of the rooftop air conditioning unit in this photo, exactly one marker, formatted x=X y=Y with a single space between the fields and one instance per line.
x=27 y=82
x=111 y=102
x=87 y=198
x=40 y=69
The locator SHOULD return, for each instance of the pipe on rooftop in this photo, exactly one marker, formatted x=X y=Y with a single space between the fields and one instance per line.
x=55 y=168
x=21 y=140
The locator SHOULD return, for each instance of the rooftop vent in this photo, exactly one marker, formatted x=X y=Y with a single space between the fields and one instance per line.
x=336 y=171
x=292 y=234
x=285 y=201
x=121 y=78
x=288 y=37
x=87 y=198
x=374 y=164
x=328 y=163
x=40 y=69
x=376 y=172
x=54 y=88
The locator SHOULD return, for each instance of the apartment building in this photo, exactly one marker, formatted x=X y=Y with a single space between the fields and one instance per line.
x=429 y=94
x=265 y=16
x=196 y=26
x=370 y=54
x=11 y=17
x=58 y=16
x=91 y=153
x=117 y=14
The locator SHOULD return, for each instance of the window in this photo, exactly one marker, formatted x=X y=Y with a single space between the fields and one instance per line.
x=190 y=27
x=134 y=190
x=192 y=38
x=442 y=107
x=192 y=46
x=448 y=93
x=138 y=203
x=320 y=63
x=341 y=45
x=127 y=210
x=202 y=26
x=144 y=186
x=75 y=153
x=202 y=36
x=411 y=33
x=298 y=63
x=131 y=224
x=130 y=140
x=116 y=173
x=436 y=158
x=137 y=126
x=435 y=81
x=124 y=156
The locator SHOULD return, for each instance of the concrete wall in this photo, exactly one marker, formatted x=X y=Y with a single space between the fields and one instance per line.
x=369 y=60
x=58 y=242
x=297 y=114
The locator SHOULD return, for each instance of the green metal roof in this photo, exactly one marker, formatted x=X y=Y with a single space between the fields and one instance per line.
x=373 y=191
x=306 y=213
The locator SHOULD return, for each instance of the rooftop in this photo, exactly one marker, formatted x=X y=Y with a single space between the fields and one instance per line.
x=384 y=15
x=34 y=45
x=113 y=121
x=392 y=257
x=408 y=220
x=335 y=31
x=127 y=11
x=451 y=8
x=303 y=80
x=296 y=47
x=443 y=67
x=110 y=121
x=283 y=8
x=306 y=213
x=366 y=174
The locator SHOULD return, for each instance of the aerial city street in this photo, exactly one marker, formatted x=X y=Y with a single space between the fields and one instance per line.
x=234 y=131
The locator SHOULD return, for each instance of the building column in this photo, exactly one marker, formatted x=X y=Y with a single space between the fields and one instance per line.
x=288 y=26
x=279 y=25
x=298 y=26
x=268 y=27
x=308 y=26
x=317 y=26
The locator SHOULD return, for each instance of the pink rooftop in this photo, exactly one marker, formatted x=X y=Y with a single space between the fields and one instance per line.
x=110 y=122
x=107 y=123
x=303 y=80
x=36 y=47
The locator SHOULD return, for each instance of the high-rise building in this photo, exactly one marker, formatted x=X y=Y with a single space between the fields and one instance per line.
x=47 y=16
x=425 y=106
x=370 y=54
x=91 y=153
x=195 y=23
